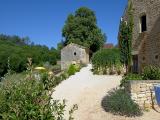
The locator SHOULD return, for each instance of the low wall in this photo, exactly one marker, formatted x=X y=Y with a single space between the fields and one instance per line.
x=142 y=92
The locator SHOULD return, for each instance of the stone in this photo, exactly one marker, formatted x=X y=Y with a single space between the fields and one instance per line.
x=141 y=95
x=146 y=41
x=74 y=53
x=147 y=105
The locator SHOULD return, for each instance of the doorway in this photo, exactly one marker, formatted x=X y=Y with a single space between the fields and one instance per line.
x=135 y=63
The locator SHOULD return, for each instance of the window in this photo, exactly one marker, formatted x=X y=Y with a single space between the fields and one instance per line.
x=143 y=23
x=156 y=57
x=75 y=53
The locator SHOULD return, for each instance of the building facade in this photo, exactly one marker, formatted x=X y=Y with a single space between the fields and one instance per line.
x=72 y=54
x=146 y=33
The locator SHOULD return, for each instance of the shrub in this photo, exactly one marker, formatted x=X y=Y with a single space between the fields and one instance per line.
x=105 y=59
x=151 y=73
x=48 y=80
x=51 y=81
x=27 y=99
x=64 y=76
x=130 y=77
x=73 y=69
x=56 y=69
x=119 y=102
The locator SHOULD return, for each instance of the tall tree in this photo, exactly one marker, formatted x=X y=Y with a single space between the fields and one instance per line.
x=81 y=28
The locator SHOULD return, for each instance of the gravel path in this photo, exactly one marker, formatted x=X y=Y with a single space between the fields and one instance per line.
x=87 y=91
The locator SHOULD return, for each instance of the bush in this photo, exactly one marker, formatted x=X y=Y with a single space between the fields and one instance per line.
x=128 y=77
x=151 y=73
x=64 y=76
x=78 y=67
x=73 y=69
x=51 y=81
x=119 y=102
x=48 y=80
x=56 y=69
x=105 y=60
x=27 y=99
x=24 y=97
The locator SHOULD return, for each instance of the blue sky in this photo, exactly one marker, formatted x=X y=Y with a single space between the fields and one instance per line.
x=42 y=20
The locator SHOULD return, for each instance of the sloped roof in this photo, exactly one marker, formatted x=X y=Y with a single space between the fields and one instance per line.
x=73 y=44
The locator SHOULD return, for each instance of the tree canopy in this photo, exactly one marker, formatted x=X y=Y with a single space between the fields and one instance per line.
x=81 y=28
x=16 y=50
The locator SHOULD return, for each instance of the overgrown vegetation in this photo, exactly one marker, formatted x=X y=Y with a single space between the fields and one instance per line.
x=27 y=98
x=106 y=61
x=151 y=73
x=119 y=102
x=16 y=50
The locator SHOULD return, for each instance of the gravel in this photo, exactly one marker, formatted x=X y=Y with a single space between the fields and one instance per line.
x=87 y=91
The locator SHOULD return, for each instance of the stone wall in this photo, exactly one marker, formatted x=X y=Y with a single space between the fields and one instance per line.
x=146 y=46
x=142 y=92
x=73 y=53
x=150 y=8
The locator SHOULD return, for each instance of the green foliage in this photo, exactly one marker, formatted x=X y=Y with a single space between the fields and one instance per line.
x=23 y=97
x=129 y=77
x=151 y=73
x=106 y=59
x=27 y=99
x=56 y=68
x=81 y=28
x=75 y=107
x=17 y=50
x=51 y=81
x=77 y=67
x=73 y=69
x=60 y=45
x=119 y=102
x=125 y=38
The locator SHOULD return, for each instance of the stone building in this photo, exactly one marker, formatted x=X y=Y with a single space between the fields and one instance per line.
x=146 y=33
x=74 y=53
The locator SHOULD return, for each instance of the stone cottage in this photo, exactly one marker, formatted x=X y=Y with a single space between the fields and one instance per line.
x=146 y=33
x=74 y=53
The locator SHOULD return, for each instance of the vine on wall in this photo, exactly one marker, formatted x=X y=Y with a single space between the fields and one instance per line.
x=125 y=38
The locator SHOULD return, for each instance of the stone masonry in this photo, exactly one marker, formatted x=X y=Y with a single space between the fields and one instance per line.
x=142 y=92
x=146 y=44
x=73 y=54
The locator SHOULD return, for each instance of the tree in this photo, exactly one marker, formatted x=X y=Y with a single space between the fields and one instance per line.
x=125 y=39
x=81 y=28
x=18 y=50
x=60 y=45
